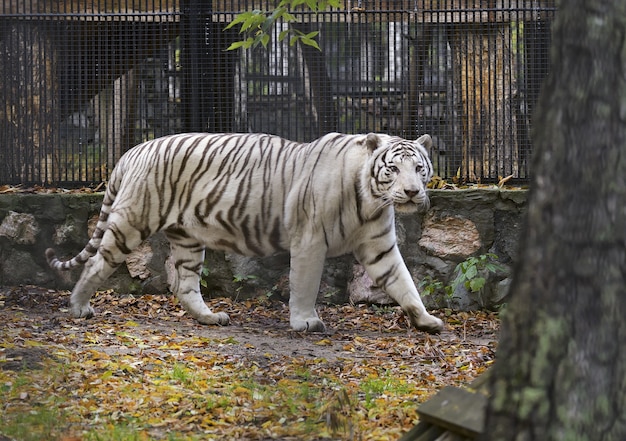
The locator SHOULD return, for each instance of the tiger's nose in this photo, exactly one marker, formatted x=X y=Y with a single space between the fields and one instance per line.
x=411 y=192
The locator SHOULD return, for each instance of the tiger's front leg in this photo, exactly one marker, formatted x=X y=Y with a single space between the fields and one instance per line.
x=388 y=270
x=304 y=282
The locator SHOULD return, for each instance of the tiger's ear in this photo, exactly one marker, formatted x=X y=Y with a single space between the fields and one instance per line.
x=425 y=140
x=372 y=141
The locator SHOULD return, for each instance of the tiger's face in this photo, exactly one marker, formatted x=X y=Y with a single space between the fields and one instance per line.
x=400 y=172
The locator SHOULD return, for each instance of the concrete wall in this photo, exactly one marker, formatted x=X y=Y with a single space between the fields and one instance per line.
x=460 y=224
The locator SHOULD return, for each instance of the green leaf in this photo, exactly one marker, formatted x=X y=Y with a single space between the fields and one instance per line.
x=240 y=18
x=239 y=44
x=313 y=5
x=283 y=35
x=471 y=272
x=477 y=284
x=265 y=39
x=310 y=42
x=491 y=267
x=252 y=22
x=288 y=17
x=295 y=3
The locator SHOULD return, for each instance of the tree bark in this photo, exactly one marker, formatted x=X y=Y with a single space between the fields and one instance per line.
x=560 y=372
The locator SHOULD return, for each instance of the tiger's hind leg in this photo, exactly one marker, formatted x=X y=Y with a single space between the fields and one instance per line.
x=96 y=271
x=304 y=282
x=188 y=256
x=110 y=255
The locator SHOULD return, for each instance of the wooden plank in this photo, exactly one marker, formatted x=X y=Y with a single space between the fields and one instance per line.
x=423 y=432
x=418 y=430
x=456 y=410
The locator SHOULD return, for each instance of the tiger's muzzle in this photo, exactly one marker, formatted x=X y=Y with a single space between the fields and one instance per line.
x=413 y=199
x=415 y=204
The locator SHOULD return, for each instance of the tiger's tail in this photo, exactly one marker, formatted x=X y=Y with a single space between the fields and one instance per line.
x=94 y=242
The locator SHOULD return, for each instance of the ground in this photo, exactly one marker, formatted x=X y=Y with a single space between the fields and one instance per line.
x=142 y=369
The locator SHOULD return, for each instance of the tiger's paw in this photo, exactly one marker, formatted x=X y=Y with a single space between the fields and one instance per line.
x=81 y=311
x=313 y=324
x=423 y=321
x=434 y=326
x=217 y=318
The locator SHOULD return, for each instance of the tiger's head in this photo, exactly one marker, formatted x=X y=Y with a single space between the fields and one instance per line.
x=400 y=170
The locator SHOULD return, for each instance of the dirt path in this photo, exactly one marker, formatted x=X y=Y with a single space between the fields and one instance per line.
x=256 y=327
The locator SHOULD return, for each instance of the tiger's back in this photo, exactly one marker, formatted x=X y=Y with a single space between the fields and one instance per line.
x=250 y=195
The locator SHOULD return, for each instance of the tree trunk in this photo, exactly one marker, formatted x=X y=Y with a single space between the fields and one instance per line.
x=560 y=372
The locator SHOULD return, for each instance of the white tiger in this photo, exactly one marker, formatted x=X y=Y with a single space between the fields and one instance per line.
x=257 y=195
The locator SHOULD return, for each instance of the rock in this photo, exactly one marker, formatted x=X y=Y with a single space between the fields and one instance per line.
x=500 y=292
x=450 y=237
x=507 y=227
x=20 y=228
x=170 y=271
x=70 y=231
x=91 y=224
x=18 y=265
x=137 y=261
x=361 y=289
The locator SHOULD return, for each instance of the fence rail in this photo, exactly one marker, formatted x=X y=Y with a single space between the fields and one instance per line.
x=85 y=80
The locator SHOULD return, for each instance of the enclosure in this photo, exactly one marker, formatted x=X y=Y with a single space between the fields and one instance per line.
x=83 y=81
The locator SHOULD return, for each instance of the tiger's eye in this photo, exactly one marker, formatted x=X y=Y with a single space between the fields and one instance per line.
x=393 y=168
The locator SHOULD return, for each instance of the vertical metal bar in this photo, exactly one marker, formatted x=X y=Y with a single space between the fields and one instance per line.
x=196 y=75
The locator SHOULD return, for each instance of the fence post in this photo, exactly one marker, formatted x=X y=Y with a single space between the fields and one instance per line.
x=196 y=66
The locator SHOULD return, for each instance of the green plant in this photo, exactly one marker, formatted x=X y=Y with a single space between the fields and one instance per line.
x=374 y=387
x=430 y=286
x=472 y=272
x=383 y=309
x=241 y=278
x=257 y=25
x=271 y=293
x=204 y=274
x=331 y=293
x=135 y=287
x=182 y=374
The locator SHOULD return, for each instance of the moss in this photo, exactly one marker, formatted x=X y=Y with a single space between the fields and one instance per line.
x=533 y=400
x=552 y=334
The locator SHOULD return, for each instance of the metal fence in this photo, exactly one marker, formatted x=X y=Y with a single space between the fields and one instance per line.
x=85 y=80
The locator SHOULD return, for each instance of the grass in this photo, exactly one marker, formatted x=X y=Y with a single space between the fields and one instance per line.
x=376 y=387
x=182 y=374
x=301 y=401
x=40 y=423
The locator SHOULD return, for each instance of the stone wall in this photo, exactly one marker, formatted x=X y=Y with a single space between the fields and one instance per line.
x=460 y=224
